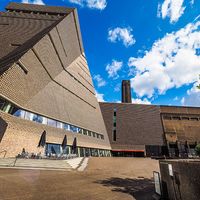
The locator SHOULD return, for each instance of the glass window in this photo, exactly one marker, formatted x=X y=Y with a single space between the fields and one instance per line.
x=73 y=129
x=29 y=116
x=114 y=135
x=59 y=125
x=93 y=134
x=89 y=133
x=102 y=137
x=2 y=102
x=114 y=124
x=51 y=122
x=84 y=132
x=7 y=107
x=98 y=136
x=19 y=113
x=80 y=130
x=53 y=148
x=66 y=127
x=44 y=120
x=37 y=118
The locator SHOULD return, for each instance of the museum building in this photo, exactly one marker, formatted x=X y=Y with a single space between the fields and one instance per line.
x=48 y=103
x=46 y=90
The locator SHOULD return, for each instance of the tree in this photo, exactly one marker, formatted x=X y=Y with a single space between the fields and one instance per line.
x=197 y=149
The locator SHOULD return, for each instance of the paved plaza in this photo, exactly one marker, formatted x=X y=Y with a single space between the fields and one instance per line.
x=103 y=179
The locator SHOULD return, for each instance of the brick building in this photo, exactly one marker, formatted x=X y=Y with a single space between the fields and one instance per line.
x=138 y=130
x=47 y=97
x=45 y=84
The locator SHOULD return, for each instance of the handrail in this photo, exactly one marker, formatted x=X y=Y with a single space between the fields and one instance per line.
x=5 y=152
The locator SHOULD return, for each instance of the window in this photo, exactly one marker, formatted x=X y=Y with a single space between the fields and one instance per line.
x=80 y=130
x=176 y=118
x=85 y=132
x=185 y=118
x=29 y=116
x=114 y=124
x=114 y=135
x=168 y=117
x=73 y=129
x=44 y=120
x=59 y=125
x=7 y=107
x=2 y=102
x=115 y=112
x=37 y=118
x=98 y=136
x=93 y=134
x=194 y=119
x=102 y=137
x=66 y=127
x=89 y=133
x=51 y=122
x=19 y=113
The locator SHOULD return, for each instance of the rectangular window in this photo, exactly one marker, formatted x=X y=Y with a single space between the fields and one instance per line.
x=60 y=125
x=93 y=134
x=80 y=130
x=29 y=116
x=85 y=132
x=51 y=122
x=37 y=118
x=66 y=127
x=44 y=120
x=19 y=113
x=114 y=135
x=73 y=129
x=114 y=124
x=89 y=133
x=102 y=137
x=2 y=102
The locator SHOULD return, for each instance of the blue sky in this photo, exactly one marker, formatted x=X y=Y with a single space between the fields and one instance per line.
x=155 y=44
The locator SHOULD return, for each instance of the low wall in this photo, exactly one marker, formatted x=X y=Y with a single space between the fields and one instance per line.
x=184 y=181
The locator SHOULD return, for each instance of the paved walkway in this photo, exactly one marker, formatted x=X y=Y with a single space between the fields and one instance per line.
x=103 y=179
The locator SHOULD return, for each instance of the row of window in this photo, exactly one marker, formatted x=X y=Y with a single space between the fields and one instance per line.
x=114 y=125
x=81 y=151
x=9 y=108
x=171 y=117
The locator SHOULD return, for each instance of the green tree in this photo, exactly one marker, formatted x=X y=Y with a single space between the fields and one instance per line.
x=197 y=149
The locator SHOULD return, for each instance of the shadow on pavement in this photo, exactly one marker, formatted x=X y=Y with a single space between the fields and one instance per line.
x=140 y=189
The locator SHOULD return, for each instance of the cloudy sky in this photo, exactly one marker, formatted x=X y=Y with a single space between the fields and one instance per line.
x=154 y=43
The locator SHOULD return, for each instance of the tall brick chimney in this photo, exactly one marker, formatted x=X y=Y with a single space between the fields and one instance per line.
x=126 y=91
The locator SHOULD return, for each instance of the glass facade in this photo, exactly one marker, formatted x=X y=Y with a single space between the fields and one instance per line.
x=17 y=112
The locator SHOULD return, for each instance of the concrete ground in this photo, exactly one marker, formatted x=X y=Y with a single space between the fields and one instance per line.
x=103 y=179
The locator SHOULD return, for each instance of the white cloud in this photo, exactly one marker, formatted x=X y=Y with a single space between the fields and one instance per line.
x=140 y=101
x=97 y=4
x=113 y=68
x=193 y=96
x=38 y=2
x=100 y=97
x=171 y=62
x=121 y=34
x=100 y=81
x=117 y=88
x=172 y=9
x=79 y=2
x=93 y=4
